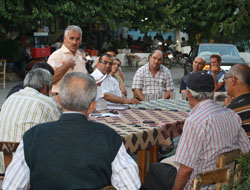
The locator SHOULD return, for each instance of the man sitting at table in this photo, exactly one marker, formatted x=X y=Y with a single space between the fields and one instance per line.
x=108 y=87
x=237 y=82
x=73 y=152
x=153 y=78
x=209 y=131
x=198 y=65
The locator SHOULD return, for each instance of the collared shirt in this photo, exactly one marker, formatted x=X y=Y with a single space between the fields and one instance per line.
x=210 y=130
x=241 y=105
x=57 y=58
x=220 y=78
x=125 y=174
x=145 y=81
x=24 y=109
x=108 y=85
x=21 y=111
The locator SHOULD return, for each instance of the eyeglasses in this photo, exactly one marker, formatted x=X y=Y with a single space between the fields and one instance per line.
x=106 y=62
x=225 y=78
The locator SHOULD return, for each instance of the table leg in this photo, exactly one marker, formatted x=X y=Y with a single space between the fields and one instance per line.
x=154 y=153
x=142 y=164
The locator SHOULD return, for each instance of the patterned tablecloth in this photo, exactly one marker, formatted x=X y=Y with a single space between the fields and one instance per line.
x=143 y=128
x=163 y=104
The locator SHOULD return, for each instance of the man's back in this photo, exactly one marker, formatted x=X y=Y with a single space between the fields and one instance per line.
x=23 y=110
x=80 y=153
x=209 y=131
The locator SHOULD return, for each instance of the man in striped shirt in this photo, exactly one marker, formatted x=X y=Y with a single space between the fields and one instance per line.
x=237 y=82
x=28 y=107
x=209 y=131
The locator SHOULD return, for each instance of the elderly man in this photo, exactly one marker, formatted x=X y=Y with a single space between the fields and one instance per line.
x=237 y=82
x=108 y=88
x=217 y=73
x=198 y=65
x=205 y=135
x=153 y=78
x=28 y=107
x=19 y=85
x=68 y=58
x=73 y=152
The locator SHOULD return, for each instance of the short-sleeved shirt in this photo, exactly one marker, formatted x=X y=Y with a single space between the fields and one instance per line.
x=145 y=81
x=210 y=130
x=57 y=58
x=241 y=105
x=220 y=78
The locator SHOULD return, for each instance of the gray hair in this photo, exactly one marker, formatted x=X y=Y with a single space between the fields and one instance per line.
x=73 y=28
x=77 y=91
x=37 y=79
x=241 y=72
x=202 y=58
x=199 y=96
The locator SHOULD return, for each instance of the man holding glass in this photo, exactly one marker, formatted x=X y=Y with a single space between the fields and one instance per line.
x=153 y=80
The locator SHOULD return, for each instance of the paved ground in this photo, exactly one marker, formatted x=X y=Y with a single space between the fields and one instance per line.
x=177 y=73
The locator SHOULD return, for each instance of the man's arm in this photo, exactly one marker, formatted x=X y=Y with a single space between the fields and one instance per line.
x=17 y=176
x=182 y=177
x=139 y=95
x=60 y=71
x=125 y=173
x=122 y=100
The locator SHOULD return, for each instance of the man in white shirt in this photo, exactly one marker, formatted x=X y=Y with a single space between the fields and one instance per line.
x=68 y=58
x=108 y=87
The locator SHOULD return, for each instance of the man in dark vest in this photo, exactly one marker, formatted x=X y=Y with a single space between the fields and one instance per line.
x=72 y=153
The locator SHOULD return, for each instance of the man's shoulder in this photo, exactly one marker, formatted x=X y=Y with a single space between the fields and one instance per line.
x=240 y=103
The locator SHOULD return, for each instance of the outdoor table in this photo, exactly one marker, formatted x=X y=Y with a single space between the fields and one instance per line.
x=145 y=129
x=163 y=104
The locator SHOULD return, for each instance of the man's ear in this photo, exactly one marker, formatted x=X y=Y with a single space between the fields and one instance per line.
x=91 y=108
x=233 y=80
x=45 y=90
x=189 y=95
x=58 y=101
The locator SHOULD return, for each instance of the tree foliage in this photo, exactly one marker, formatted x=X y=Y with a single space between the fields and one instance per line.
x=222 y=20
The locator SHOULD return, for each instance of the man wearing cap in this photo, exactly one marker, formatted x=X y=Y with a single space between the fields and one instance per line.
x=205 y=135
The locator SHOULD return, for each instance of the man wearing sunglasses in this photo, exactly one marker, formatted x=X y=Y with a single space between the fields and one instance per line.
x=108 y=88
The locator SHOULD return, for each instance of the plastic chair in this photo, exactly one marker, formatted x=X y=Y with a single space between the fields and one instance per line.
x=3 y=71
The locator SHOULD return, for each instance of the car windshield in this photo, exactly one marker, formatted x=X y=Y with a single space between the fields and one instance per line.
x=222 y=50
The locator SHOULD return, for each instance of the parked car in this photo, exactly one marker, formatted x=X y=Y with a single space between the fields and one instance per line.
x=228 y=52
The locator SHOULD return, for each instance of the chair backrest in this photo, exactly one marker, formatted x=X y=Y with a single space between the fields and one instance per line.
x=226 y=158
x=218 y=177
x=8 y=148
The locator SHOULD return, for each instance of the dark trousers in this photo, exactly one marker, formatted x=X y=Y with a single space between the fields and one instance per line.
x=160 y=176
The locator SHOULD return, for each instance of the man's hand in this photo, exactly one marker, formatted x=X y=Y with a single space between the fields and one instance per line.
x=132 y=101
x=70 y=63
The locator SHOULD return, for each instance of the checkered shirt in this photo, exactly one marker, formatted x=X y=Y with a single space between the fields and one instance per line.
x=144 y=80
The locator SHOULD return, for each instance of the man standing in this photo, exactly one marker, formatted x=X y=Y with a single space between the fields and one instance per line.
x=237 y=82
x=198 y=65
x=68 y=58
x=108 y=88
x=28 y=107
x=72 y=153
x=217 y=73
x=153 y=78
x=210 y=130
